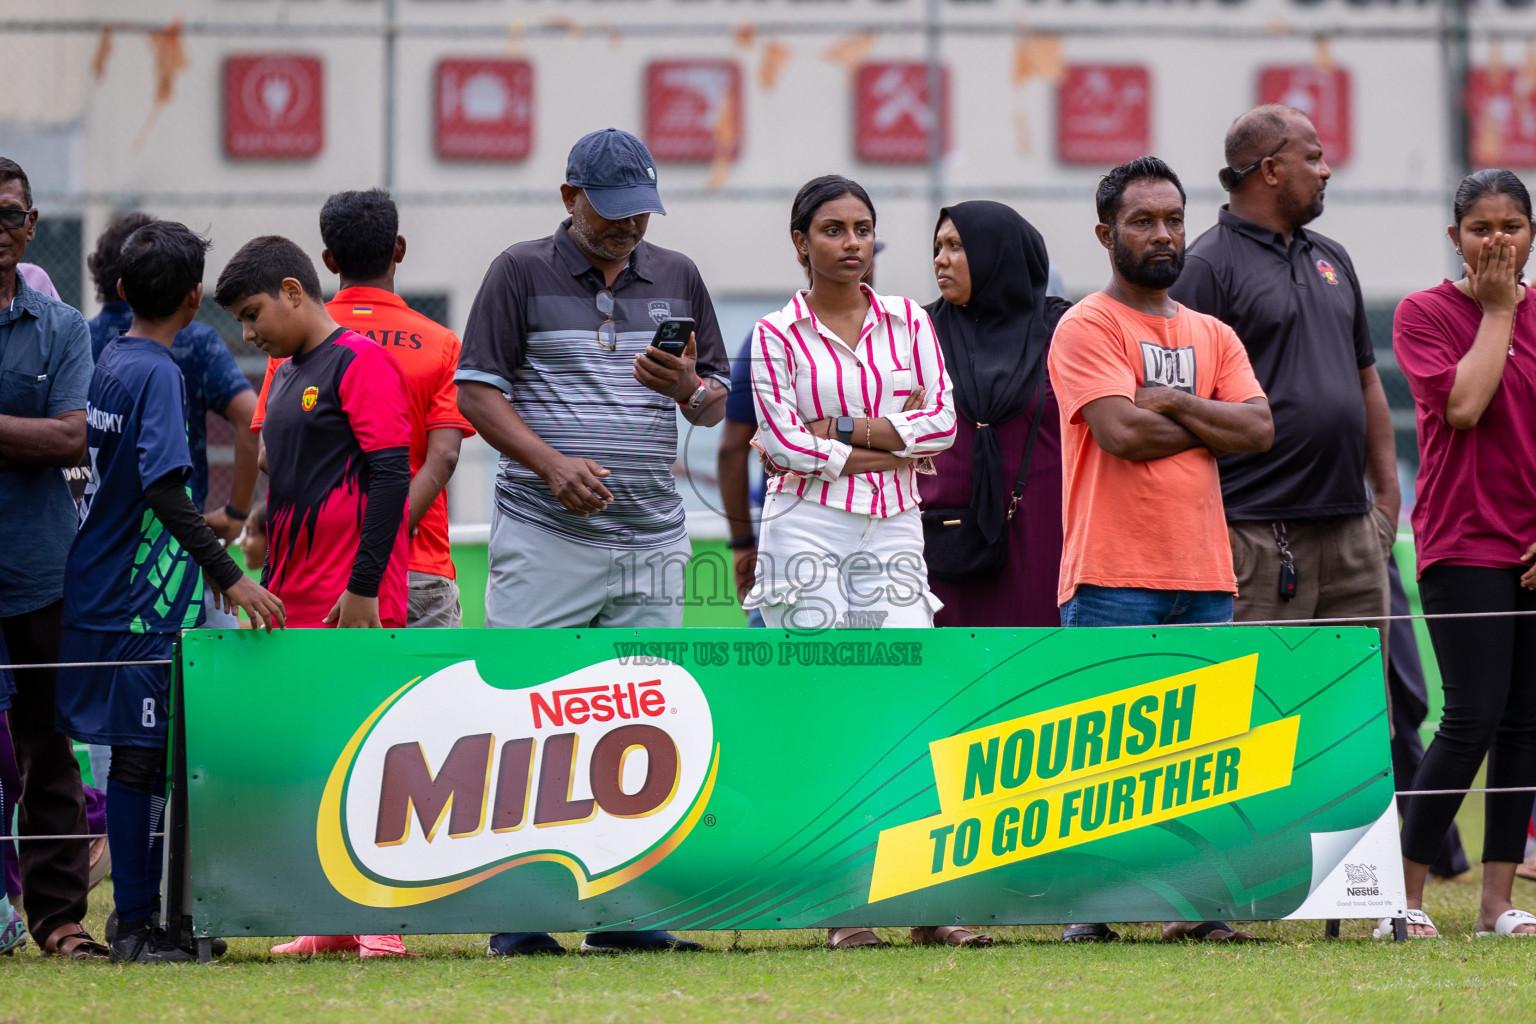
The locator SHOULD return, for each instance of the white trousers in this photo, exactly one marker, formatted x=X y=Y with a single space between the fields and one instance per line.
x=824 y=568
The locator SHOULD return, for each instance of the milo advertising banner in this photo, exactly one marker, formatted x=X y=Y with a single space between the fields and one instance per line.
x=469 y=780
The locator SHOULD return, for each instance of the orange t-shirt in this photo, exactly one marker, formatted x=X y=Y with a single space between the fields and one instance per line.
x=428 y=354
x=1159 y=524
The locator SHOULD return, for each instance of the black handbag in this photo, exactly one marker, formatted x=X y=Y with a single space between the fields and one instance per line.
x=953 y=545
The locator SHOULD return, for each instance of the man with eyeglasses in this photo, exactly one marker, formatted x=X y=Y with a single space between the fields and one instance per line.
x=558 y=373
x=45 y=374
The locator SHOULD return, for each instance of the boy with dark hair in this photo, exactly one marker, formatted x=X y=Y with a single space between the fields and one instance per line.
x=337 y=438
x=132 y=581
x=214 y=382
x=363 y=247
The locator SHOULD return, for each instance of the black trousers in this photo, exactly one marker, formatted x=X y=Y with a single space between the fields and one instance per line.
x=1488 y=671
x=54 y=873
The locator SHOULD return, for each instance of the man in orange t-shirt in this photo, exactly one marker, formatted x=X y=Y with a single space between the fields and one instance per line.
x=1149 y=390
x=363 y=247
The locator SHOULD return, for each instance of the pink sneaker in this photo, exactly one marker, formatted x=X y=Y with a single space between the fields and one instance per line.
x=381 y=945
x=306 y=944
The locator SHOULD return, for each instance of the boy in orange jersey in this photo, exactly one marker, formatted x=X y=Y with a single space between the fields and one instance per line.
x=362 y=247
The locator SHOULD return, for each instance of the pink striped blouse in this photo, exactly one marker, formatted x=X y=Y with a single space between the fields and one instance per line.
x=802 y=372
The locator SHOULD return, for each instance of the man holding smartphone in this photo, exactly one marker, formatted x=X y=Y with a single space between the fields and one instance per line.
x=560 y=374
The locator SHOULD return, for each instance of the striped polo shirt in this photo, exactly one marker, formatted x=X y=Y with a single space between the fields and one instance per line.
x=533 y=333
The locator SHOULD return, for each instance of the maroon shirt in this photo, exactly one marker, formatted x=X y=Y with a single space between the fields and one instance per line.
x=1476 y=501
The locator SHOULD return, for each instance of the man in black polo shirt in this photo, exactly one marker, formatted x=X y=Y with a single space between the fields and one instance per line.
x=558 y=373
x=1308 y=539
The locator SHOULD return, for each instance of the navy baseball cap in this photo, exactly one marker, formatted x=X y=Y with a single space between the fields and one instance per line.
x=616 y=172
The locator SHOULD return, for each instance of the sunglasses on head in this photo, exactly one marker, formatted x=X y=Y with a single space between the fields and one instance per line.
x=1231 y=177
x=11 y=218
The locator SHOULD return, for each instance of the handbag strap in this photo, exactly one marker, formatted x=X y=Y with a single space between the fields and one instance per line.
x=1029 y=453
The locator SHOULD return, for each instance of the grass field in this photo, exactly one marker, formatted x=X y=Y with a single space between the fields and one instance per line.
x=1293 y=975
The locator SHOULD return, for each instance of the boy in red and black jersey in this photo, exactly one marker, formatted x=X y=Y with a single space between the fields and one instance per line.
x=337 y=437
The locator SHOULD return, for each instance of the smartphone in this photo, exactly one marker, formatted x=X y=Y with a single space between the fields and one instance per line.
x=672 y=335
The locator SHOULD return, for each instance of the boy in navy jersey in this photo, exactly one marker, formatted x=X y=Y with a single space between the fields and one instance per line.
x=337 y=434
x=133 y=581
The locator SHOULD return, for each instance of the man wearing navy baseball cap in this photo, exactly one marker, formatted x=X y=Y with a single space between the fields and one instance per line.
x=559 y=374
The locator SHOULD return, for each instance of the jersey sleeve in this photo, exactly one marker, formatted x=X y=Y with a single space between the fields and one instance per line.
x=1235 y=381
x=1426 y=353
x=161 y=445
x=497 y=329
x=443 y=408
x=260 y=415
x=1087 y=362
x=222 y=379
x=711 y=358
x=1365 y=350
x=738 y=404
x=373 y=397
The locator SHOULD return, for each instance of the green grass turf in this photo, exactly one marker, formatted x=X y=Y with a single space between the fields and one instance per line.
x=1293 y=975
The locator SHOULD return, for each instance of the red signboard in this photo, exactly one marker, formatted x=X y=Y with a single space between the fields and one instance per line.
x=484 y=109
x=892 y=115
x=1324 y=95
x=693 y=110
x=1501 y=110
x=1103 y=114
x=274 y=106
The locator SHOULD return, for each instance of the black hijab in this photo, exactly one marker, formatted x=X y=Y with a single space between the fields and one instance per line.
x=994 y=346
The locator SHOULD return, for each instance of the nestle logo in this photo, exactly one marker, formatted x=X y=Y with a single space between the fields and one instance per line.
x=581 y=704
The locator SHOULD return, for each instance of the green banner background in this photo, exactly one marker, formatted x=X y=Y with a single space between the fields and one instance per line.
x=813 y=763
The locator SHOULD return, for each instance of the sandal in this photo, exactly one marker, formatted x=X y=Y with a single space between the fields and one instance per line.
x=949 y=935
x=1505 y=924
x=74 y=945
x=1383 y=928
x=1089 y=933
x=852 y=938
x=1213 y=931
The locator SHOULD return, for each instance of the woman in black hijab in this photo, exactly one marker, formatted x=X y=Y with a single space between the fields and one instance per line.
x=992 y=518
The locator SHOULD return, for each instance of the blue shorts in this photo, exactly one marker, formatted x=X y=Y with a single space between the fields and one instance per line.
x=118 y=704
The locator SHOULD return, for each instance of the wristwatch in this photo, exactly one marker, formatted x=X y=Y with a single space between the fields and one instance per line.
x=697 y=398
x=845 y=429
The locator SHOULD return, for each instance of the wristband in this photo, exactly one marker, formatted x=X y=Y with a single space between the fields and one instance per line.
x=741 y=543
x=235 y=513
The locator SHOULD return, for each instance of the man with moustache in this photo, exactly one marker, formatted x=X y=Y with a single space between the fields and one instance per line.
x=1148 y=390
x=558 y=373
x=1308 y=539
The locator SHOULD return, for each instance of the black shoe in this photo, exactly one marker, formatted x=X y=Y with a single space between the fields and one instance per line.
x=637 y=942
x=218 y=946
x=140 y=942
x=524 y=944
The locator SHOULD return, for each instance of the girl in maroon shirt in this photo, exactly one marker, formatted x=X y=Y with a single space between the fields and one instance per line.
x=1468 y=349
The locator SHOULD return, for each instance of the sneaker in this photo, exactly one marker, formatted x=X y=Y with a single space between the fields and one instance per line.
x=524 y=944
x=636 y=942
x=143 y=943
x=381 y=945
x=308 y=944
x=13 y=934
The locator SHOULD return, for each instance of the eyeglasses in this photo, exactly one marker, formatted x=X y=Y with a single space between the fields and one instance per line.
x=1231 y=177
x=12 y=218
x=607 y=331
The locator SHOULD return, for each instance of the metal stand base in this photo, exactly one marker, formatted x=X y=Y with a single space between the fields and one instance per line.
x=1331 y=929
x=205 y=951
x=1399 y=929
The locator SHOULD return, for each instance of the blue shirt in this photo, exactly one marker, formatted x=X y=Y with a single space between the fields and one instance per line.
x=739 y=404
x=126 y=573
x=213 y=379
x=45 y=371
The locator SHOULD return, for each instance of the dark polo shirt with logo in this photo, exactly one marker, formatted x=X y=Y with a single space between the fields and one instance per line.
x=533 y=333
x=1301 y=317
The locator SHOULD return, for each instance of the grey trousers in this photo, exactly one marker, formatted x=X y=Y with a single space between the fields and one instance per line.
x=432 y=602
x=539 y=580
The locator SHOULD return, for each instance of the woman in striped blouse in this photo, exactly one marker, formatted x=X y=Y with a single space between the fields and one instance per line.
x=851 y=393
